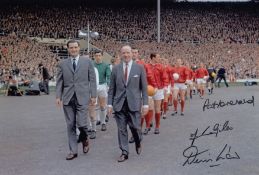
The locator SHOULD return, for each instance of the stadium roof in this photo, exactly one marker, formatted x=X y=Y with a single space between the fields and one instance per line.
x=103 y=2
x=78 y=1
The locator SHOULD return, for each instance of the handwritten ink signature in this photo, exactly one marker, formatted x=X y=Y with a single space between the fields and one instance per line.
x=215 y=131
x=221 y=104
x=191 y=153
x=192 y=156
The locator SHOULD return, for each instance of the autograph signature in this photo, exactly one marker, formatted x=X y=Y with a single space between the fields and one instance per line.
x=194 y=156
x=221 y=104
x=217 y=128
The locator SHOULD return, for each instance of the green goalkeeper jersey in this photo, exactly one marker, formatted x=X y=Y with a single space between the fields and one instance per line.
x=104 y=72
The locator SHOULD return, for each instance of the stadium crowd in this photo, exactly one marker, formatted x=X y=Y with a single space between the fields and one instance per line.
x=21 y=56
x=239 y=59
x=221 y=33
x=179 y=22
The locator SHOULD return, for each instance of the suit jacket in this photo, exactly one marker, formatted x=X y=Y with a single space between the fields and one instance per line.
x=81 y=82
x=135 y=90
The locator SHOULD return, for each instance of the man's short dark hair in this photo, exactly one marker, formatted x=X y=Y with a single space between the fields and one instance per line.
x=73 y=41
x=134 y=48
x=152 y=55
x=98 y=51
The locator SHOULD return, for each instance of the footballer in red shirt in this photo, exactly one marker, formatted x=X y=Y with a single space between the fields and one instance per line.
x=180 y=75
x=202 y=76
x=157 y=77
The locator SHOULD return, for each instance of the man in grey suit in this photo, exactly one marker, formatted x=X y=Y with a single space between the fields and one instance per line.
x=128 y=97
x=75 y=88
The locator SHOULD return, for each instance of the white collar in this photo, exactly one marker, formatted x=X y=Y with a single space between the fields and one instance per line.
x=129 y=63
x=76 y=58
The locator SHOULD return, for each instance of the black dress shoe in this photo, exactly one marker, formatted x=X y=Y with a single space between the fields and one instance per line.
x=71 y=156
x=122 y=158
x=86 y=146
x=98 y=122
x=138 y=148
x=131 y=140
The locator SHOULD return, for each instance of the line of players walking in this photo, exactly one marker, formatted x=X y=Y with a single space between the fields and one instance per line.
x=168 y=85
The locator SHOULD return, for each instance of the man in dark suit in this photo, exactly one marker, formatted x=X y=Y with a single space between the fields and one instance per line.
x=128 y=97
x=45 y=77
x=221 y=75
x=76 y=87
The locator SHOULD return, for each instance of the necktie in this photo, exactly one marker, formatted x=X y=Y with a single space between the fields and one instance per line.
x=126 y=72
x=74 y=64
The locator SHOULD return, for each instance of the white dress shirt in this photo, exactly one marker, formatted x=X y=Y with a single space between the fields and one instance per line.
x=72 y=59
x=129 y=68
